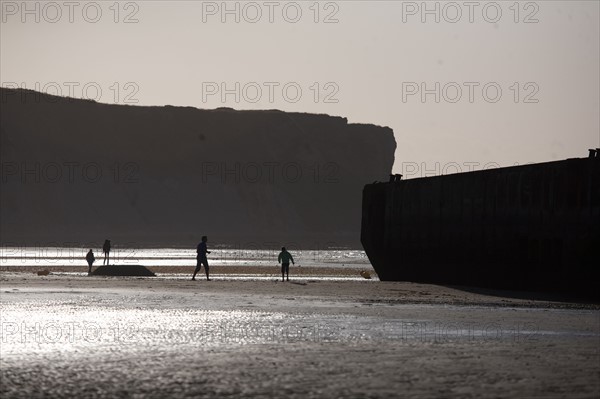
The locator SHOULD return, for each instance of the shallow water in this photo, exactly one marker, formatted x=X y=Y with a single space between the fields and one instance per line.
x=69 y=256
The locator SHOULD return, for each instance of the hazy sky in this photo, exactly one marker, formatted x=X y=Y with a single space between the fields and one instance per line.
x=516 y=82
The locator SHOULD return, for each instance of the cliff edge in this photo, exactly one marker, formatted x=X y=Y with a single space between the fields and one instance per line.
x=76 y=171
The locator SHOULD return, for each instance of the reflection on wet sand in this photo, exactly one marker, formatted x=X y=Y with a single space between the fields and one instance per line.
x=70 y=335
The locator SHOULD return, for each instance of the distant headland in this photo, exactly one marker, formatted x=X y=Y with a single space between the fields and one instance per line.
x=77 y=171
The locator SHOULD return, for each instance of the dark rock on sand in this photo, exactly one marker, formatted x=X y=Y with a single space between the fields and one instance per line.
x=135 y=270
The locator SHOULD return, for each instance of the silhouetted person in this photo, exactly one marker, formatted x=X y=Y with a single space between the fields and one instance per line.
x=201 y=258
x=106 y=251
x=284 y=258
x=90 y=260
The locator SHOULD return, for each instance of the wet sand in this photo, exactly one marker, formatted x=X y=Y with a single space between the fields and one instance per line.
x=303 y=271
x=68 y=335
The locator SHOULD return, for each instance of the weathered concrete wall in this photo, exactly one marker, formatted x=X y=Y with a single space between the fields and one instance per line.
x=532 y=227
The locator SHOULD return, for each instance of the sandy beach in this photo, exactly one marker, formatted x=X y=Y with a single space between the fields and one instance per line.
x=71 y=335
x=302 y=272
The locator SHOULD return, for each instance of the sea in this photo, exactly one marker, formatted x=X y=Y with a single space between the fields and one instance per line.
x=72 y=256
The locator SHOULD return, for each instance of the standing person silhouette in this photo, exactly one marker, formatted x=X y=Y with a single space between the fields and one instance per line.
x=90 y=260
x=106 y=251
x=284 y=258
x=201 y=258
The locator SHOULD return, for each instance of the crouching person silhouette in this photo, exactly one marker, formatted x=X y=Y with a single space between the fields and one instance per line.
x=284 y=258
x=201 y=258
x=90 y=260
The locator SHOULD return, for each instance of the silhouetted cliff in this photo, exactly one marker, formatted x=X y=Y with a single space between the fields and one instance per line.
x=75 y=171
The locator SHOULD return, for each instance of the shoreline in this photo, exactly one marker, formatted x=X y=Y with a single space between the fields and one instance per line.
x=346 y=288
x=304 y=271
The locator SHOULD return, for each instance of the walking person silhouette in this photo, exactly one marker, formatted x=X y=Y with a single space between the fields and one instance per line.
x=201 y=258
x=90 y=260
x=284 y=258
x=106 y=250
